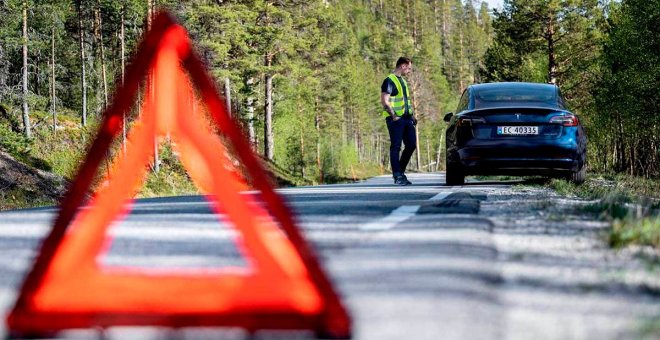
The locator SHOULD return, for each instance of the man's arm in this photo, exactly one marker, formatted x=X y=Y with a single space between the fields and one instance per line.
x=385 y=100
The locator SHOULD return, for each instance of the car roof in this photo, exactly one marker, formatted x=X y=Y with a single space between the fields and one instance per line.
x=511 y=85
x=477 y=91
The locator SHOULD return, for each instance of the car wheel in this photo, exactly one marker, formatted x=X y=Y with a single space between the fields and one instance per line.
x=454 y=175
x=578 y=177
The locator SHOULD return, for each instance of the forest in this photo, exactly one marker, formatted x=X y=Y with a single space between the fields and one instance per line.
x=303 y=76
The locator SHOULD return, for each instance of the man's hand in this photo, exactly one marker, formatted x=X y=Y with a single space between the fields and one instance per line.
x=389 y=110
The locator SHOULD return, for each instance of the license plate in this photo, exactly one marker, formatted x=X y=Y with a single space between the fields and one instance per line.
x=517 y=130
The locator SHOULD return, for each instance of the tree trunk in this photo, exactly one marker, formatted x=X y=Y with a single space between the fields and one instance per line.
x=620 y=146
x=355 y=123
x=378 y=151
x=344 y=127
x=99 y=36
x=428 y=156
x=268 y=110
x=249 y=103
x=414 y=24
x=436 y=26
x=3 y=69
x=406 y=23
x=317 y=126
x=438 y=158
x=417 y=152
x=302 y=140
x=83 y=81
x=52 y=77
x=26 y=114
x=411 y=93
x=150 y=12
x=460 y=60
x=228 y=96
x=444 y=35
x=552 y=63
x=150 y=5
x=122 y=42
x=36 y=60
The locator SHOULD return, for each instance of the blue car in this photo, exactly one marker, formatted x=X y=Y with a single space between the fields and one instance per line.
x=519 y=129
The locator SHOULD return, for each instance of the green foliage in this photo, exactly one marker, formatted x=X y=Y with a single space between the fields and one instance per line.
x=627 y=97
x=171 y=180
x=21 y=148
x=18 y=198
x=14 y=143
x=635 y=231
x=617 y=187
x=606 y=63
x=64 y=149
x=327 y=60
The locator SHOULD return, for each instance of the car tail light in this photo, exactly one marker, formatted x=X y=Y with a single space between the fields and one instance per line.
x=565 y=120
x=469 y=121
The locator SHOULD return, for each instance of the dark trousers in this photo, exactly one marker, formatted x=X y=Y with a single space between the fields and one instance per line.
x=402 y=130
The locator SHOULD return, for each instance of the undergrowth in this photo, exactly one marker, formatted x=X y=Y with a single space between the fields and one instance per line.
x=19 y=198
x=631 y=204
x=62 y=152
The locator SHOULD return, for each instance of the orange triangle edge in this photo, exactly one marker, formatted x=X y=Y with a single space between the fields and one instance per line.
x=66 y=289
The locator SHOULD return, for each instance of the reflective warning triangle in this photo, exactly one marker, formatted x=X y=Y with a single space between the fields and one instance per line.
x=284 y=286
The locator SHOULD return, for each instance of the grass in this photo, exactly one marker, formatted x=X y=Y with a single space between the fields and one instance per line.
x=20 y=198
x=649 y=329
x=171 y=180
x=497 y=178
x=631 y=204
x=623 y=187
x=644 y=231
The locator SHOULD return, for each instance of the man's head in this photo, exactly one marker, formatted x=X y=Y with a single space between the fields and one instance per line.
x=404 y=65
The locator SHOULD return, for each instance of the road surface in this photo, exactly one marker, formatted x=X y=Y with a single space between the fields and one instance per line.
x=488 y=260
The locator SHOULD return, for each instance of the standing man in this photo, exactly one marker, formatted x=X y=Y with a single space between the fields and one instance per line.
x=395 y=97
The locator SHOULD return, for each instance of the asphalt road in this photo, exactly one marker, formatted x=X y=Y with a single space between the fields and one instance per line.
x=488 y=260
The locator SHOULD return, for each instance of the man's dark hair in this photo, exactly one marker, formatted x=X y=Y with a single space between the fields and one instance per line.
x=403 y=60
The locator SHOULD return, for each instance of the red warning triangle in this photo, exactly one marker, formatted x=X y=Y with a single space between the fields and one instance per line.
x=285 y=288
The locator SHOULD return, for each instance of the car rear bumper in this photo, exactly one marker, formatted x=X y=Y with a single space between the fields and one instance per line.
x=545 y=160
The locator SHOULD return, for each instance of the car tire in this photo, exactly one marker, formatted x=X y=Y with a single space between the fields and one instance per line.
x=454 y=175
x=578 y=177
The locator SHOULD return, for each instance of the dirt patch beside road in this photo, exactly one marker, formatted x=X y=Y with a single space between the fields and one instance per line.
x=23 y=186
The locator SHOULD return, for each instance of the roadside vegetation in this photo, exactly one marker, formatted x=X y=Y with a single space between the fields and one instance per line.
x=631 y=204
x=303 y=80
x=603 y=55
x=61 y=153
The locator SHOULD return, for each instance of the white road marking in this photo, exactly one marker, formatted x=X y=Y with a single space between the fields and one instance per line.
x=173 y=234
x=149 y=233
x=441 y=196
x=360 y=190
x=398 y=215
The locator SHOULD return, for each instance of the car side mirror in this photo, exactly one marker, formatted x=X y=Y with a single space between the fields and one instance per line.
x=448 y=117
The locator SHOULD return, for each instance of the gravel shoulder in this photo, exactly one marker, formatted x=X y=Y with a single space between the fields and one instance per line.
x=558 y=270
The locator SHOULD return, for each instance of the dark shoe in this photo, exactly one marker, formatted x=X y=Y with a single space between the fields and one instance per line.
x=405 y=179
x=400 y=180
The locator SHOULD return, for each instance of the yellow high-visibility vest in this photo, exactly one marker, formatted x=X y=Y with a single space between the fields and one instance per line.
x=397 y=102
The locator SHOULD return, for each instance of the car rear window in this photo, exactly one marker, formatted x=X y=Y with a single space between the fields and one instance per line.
x=507 y=96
